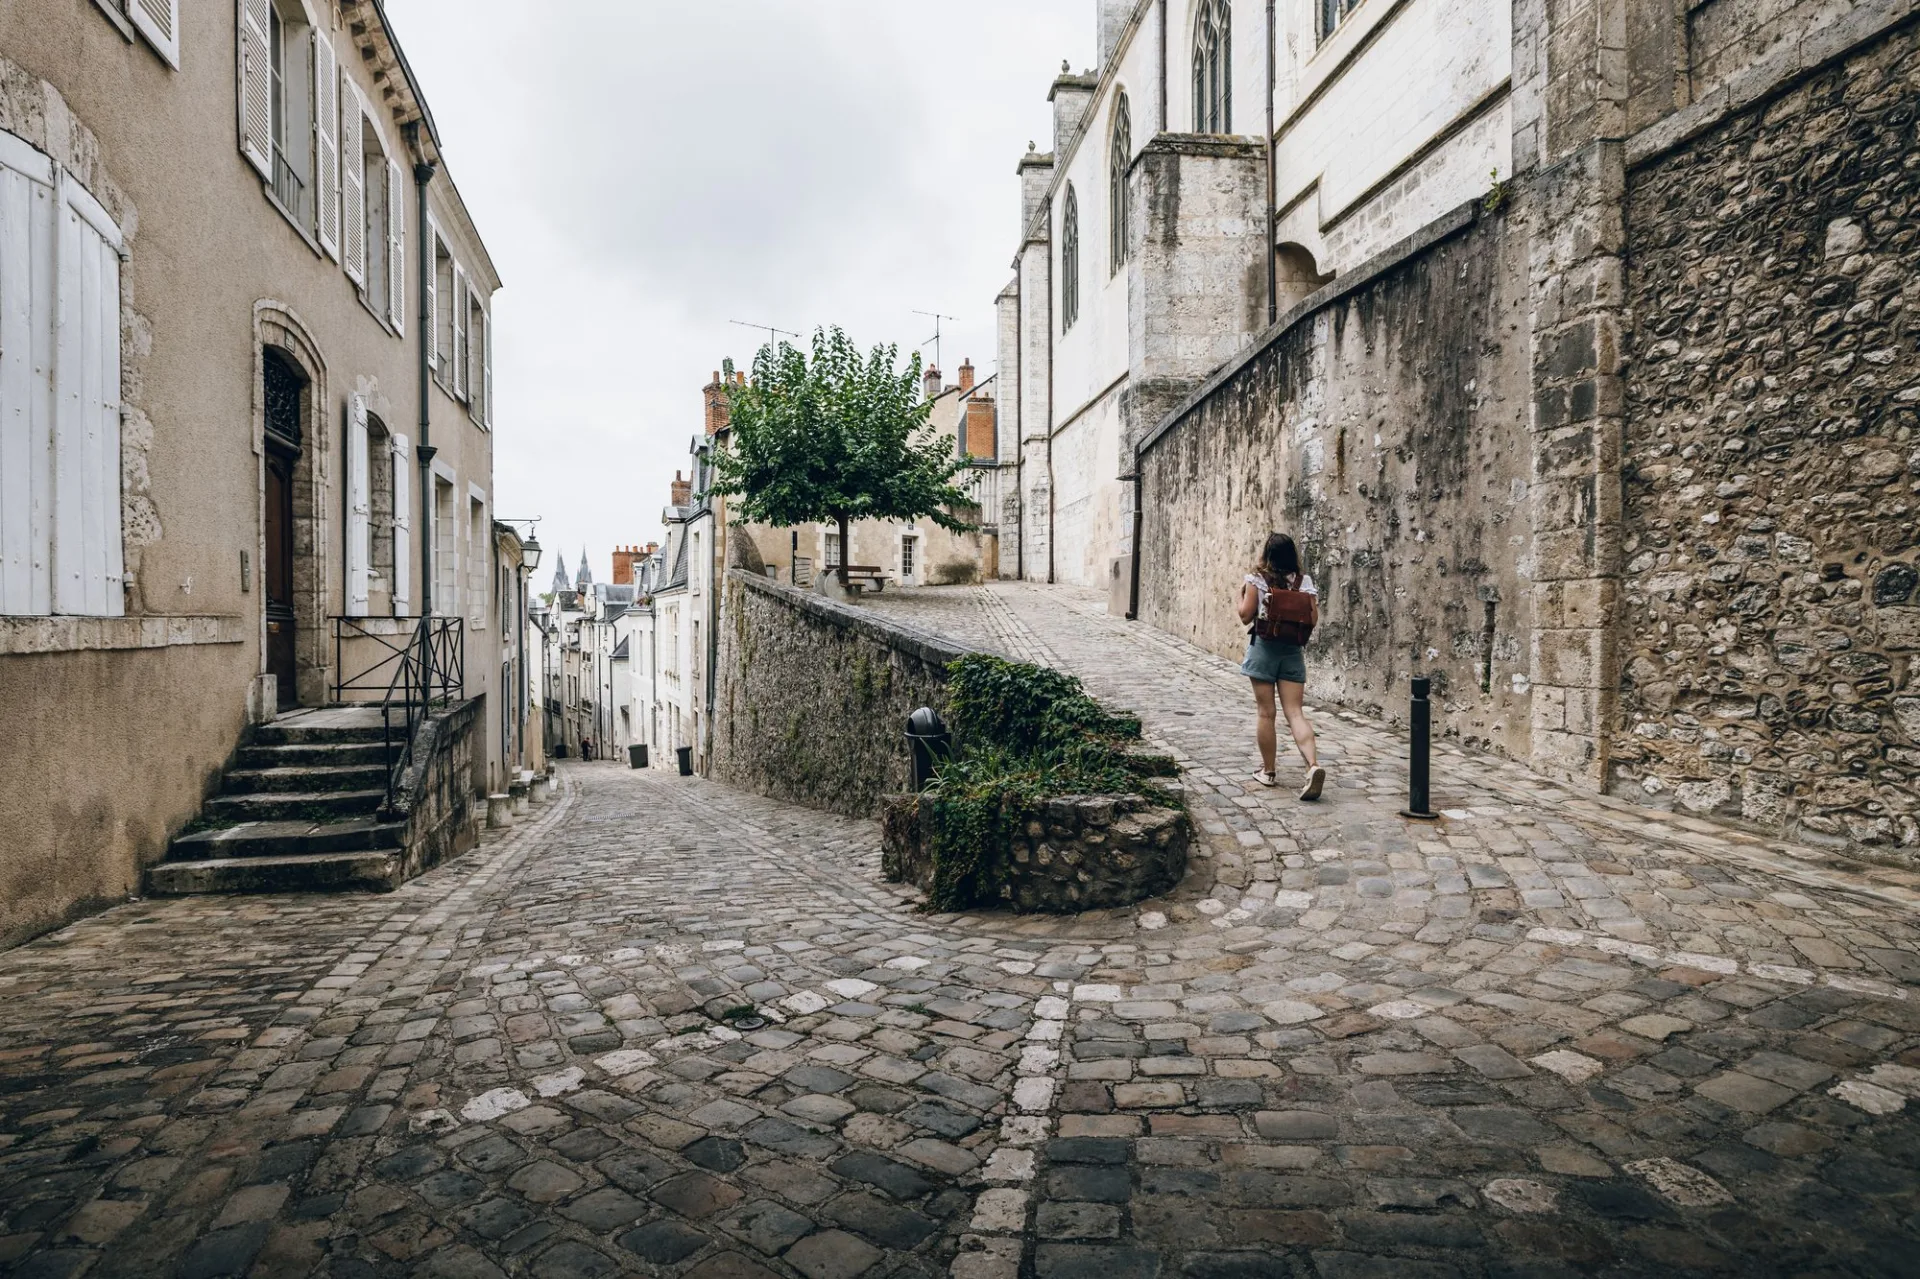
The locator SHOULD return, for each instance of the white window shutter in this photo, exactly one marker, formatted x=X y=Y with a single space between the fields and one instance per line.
x=326 y=145
x=486 y=367
x=359 y=506
x=29 y=227
x=396 y=248
x=159 y=22
x=353 y=180
x=402 y=526
x=86 y=439
x=256 y=87
x=457 y=306
x=431 y=309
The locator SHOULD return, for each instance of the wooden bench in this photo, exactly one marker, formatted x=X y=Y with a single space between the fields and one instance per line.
x=865 y=577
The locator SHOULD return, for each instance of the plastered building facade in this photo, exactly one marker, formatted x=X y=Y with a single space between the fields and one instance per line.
x=220 y=454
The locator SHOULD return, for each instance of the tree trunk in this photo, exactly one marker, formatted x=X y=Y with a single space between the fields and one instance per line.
x=846 y=550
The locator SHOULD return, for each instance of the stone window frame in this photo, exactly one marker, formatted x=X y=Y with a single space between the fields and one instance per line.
x=1329 y=14
x=1069 y=259
x=1119 y=201
x=1213 y=67
x=278 y=326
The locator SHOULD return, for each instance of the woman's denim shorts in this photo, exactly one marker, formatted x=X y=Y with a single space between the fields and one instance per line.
x=1270 y=661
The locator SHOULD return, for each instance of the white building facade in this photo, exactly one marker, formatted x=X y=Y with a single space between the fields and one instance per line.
x=1224 y=160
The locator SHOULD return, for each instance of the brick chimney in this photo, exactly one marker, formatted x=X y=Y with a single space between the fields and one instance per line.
x=625 y=560
x=966 y=376
x=930 y=382
x=718 y=413
x=682 y=490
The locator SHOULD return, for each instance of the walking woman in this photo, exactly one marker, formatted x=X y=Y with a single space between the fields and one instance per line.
x=1280 y=606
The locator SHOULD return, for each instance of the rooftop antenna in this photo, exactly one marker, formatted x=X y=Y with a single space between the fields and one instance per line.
x=936 y=317
x=771 y=331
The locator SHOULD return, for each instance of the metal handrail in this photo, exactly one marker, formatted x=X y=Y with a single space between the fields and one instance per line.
x=428 y=669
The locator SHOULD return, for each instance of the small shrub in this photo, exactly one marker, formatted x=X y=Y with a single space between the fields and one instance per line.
x=1022 y=734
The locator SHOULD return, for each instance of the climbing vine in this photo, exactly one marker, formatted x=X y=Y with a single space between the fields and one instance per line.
x=1021 y=734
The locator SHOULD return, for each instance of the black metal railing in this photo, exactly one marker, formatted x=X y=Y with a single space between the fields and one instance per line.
x=290 y=189
x=423 y=668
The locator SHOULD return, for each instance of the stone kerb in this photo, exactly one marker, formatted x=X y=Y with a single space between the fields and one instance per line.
x=1070 y=853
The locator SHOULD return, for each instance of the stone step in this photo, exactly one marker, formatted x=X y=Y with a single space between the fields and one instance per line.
x=321 y=734
x=288 y=838
x=288 y=781
x=373 y=871
x=308 y=806
x=316 y=754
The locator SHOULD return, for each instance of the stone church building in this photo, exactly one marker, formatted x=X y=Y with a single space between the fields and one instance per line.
x=1572 y=338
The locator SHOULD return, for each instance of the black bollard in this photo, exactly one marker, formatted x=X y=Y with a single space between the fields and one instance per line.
x=928 y=742
x=1419 y=755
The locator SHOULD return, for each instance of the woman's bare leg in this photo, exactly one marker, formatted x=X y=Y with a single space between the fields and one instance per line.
x=1291 y=695
x=1263 y=729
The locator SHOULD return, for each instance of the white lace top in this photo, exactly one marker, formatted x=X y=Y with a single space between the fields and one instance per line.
x=1260 y=583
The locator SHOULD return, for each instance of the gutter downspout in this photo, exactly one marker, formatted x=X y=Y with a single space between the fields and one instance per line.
x=1051 y=495
x=1273 y=267
x=1019 y=420
x=1139 y=518
x=1166 y=121
x=423 y=171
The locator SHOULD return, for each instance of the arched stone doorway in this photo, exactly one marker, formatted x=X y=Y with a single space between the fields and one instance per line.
x=291 y=436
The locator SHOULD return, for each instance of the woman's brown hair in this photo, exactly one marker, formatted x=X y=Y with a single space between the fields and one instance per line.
x=1279 y=559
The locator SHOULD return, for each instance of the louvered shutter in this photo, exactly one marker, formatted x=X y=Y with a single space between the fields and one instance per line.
x=159 y=22
x=86 y=445
x=359 y=507
x=353 y=181
x=457 y=305
x=256 y=87
x=486 y=367
x=402 y=526
x=326 y=145
x=396 y=249
x=28 y=227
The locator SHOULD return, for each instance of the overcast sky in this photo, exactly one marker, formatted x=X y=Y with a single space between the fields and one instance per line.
x=644 y=172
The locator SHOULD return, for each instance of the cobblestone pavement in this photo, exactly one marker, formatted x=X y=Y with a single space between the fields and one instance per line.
x=1548 y=1036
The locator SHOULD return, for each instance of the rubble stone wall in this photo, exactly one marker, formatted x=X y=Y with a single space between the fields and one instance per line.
x=1386 y=428
x=1770 y=614
x=813 y=697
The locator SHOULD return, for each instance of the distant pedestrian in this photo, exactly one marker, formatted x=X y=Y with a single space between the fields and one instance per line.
x=1280 y=606
x=586 y=748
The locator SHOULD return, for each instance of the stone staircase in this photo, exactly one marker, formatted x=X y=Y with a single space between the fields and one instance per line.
x=299 y=811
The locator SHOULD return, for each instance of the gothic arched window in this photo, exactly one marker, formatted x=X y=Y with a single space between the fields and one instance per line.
x=1213 y=68
x=1070 y=261
x=1118 y=204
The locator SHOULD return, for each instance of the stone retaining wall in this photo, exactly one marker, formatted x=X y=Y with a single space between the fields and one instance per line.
x=813 y=697
x=1770 y=615
x=1074 y=853
x=439 y=786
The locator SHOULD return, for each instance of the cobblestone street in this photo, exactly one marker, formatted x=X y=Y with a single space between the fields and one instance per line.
x=667 y=1028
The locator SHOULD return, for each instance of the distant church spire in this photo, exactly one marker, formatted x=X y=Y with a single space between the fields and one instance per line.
x=560 y=584
x=585 y=578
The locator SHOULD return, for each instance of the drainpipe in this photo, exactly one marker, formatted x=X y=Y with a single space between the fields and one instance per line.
x=1273 y=267
x=1139 y=518
x=1166 y=122
x=1052 y=497
x=1020 y=420
x=423 y=171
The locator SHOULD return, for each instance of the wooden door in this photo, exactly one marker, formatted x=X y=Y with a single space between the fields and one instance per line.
x=279 y=574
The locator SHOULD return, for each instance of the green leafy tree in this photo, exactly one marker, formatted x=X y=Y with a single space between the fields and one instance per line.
x=837 y=438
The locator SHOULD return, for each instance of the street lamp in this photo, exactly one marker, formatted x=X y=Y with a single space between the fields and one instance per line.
x=530 y=552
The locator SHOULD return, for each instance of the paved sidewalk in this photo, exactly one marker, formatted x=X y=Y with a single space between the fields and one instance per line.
x=1550 y=1036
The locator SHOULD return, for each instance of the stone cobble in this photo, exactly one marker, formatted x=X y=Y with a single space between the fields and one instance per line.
x=1548 y=1035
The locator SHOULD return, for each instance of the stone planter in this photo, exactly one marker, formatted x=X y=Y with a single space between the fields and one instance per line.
x=1074 y=853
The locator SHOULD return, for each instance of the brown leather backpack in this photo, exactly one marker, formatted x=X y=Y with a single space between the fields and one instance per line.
x=1286 y=613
